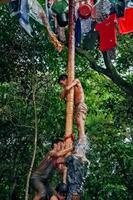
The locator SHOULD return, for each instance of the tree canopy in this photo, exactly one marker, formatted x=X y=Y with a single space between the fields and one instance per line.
x=29 y=65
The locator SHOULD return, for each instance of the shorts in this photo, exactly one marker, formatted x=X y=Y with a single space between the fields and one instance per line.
x=42 y=187
x=81 y=110
x=76 y=172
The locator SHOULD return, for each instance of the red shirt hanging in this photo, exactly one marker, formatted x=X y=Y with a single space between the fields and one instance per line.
x=125 y=23
x=107 y=32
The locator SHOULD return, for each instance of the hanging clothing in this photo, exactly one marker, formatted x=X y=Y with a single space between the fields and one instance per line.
x=14 y=7
x=118 y=7
x=34 y=10
x=24 y=11
x=60 y=6
x=107 y=33
x=125 y=24
x=86 y=25
x=89 y=41
x=129 y=3
x=114 y=1
x=92 y=2
x=24 y=17
x=78 y=33
x=101 y=10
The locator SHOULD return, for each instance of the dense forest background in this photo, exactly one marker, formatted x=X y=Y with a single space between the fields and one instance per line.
x=29 y=93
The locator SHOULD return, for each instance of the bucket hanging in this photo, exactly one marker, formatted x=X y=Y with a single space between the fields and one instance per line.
x=84 y=9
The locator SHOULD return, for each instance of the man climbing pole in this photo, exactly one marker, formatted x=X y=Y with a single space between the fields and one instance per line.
x=75 y=173
x=76 y=161
x=80 y=108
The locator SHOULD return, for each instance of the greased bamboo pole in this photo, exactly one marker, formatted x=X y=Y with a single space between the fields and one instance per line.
x=70 y=69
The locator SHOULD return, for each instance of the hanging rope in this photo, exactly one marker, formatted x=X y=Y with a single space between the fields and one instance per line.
x=52 y=36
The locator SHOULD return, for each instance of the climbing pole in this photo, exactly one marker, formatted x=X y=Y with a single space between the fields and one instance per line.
x=70 y=70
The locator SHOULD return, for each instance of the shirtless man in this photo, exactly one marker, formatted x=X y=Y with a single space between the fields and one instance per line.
x=41 y=177
x=80 y=108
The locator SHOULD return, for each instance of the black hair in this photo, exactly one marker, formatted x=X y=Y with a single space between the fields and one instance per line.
x=61 y=188
x=56 y=141
x=62 y=77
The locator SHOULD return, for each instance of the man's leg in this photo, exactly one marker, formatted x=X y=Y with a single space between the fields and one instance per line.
x=80 y=126
x=39 y=187
x=82 y=145
x=37 y=196
x=80 y=116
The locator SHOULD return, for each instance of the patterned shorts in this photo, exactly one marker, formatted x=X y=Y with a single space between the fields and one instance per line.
x=81 y=110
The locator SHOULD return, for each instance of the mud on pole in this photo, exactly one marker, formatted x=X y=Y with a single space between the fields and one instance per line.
x=70 y=69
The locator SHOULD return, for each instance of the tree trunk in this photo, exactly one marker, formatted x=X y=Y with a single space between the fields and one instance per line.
x=116 y=78
x=70 y=69
x=35 y=143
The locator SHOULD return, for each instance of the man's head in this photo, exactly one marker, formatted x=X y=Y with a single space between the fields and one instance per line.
x=57 y=143
x=61 y=190
x=63 y=80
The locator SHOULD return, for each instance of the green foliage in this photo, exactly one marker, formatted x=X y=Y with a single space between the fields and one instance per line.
x=26 y=62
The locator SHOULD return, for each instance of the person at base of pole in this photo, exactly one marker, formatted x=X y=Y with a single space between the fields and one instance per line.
x=59 y=193
x=76 y=169
x=41 y=177
x=75 y=172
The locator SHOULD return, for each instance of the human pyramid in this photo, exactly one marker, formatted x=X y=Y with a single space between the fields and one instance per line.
x=69 y=160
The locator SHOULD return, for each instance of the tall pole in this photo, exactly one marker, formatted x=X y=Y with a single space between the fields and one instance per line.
x=70 y=70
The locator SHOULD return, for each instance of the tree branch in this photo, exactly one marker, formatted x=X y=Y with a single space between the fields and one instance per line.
x=109 y=71
x=115 y=77
x=35 y=143
x=93 y=64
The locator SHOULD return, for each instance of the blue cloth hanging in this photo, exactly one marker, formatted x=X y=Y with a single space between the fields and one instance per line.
x=78 y=33
x=118 y=7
